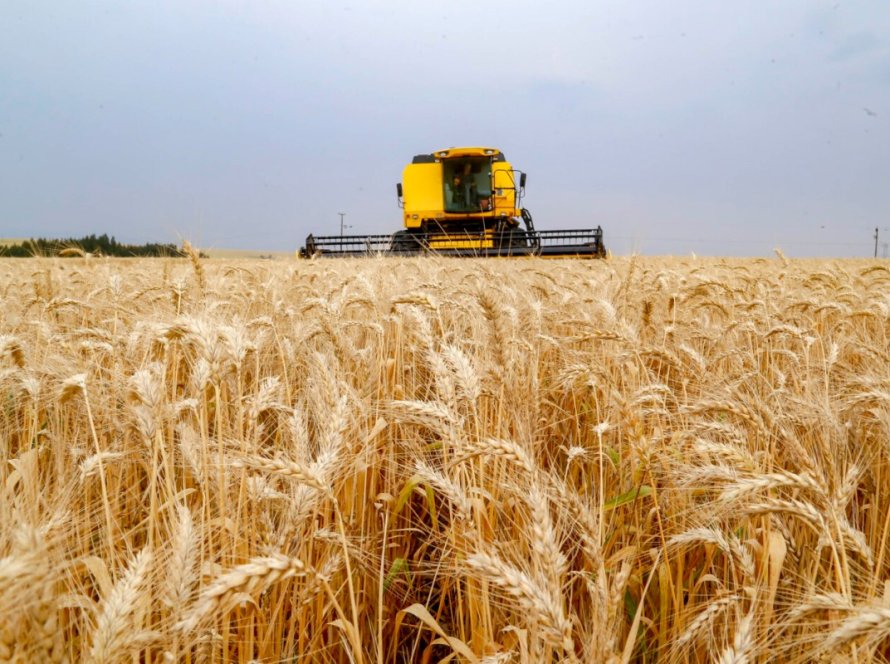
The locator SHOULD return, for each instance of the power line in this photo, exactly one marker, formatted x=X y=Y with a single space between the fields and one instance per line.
x=765 y=240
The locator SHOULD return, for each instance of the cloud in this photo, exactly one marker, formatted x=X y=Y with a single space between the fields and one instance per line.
x=858 y=45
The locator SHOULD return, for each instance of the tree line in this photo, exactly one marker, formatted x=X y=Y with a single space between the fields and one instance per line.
x=96 y=245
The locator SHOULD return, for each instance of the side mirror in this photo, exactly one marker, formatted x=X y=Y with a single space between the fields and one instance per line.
x=399 y=189
x=522 y=180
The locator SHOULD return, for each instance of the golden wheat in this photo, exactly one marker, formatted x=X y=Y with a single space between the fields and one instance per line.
x=389 y=460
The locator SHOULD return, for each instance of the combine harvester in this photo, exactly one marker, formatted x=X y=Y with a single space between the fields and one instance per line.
x=462 y=202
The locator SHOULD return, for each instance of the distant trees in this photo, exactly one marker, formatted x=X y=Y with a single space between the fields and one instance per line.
x=98 y=245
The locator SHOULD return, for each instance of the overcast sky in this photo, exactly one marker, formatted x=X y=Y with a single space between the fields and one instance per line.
x=729 y=127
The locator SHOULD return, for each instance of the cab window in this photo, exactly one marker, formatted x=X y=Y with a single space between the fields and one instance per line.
x=467 y=185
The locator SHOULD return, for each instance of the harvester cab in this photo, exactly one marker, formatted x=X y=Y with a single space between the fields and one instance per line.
x=463 y=202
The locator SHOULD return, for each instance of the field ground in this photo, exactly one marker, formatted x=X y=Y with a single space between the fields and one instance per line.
x=390 y=460
x=240 y=254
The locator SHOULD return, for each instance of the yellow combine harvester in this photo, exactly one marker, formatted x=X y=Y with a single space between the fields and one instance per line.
x=463 y=202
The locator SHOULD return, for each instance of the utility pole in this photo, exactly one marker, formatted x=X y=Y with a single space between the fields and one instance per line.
x=343 y=226
x=876 y=241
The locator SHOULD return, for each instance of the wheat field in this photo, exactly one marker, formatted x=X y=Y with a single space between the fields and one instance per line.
x=424 y=460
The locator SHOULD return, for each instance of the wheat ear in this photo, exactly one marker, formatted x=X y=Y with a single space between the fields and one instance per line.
x=544 y=612
x=251 y=578
x=111 y=635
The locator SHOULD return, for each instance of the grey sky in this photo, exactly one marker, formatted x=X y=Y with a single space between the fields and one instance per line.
x=715 y=127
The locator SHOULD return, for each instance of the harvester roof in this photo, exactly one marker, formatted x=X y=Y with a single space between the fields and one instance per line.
x=451 y=153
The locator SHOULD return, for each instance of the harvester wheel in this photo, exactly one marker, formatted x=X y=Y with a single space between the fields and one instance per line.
x=404 y=242
x=309 y=250
x=514 y=239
